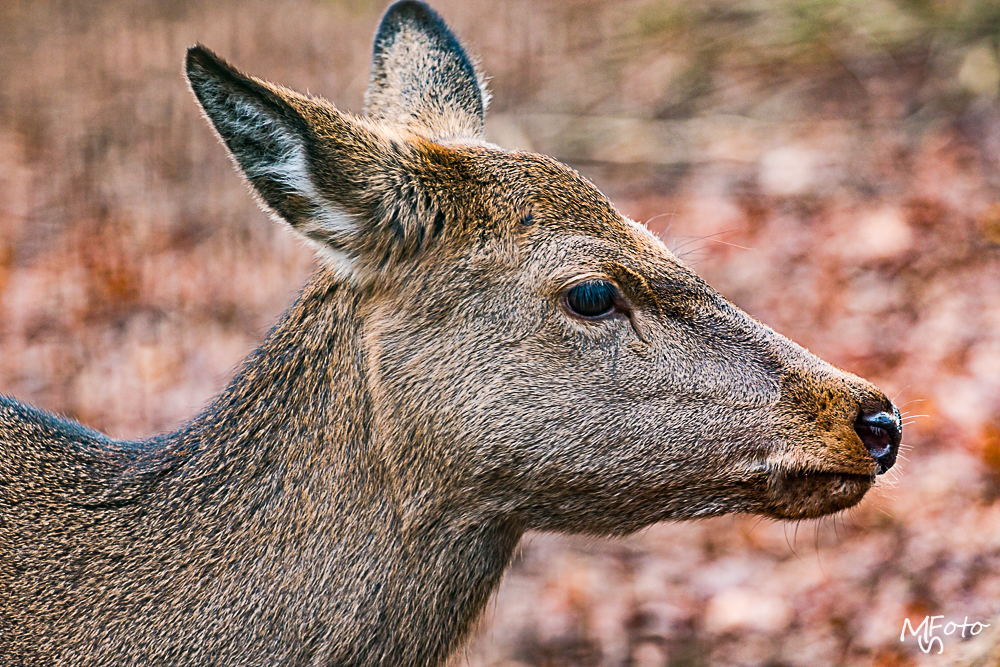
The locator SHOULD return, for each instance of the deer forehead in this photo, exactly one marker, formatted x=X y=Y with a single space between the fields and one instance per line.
x=504 y=188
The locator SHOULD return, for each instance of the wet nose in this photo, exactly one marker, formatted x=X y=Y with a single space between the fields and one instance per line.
x=880 y=432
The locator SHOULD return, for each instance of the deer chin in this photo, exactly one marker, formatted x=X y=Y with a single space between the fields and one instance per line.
x=812 y=493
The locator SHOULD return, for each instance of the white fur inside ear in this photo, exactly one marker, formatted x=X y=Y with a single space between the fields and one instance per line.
x=341 y=262
x=328 y=229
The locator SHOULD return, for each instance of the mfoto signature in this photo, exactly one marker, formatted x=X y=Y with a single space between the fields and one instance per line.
x=931 y=631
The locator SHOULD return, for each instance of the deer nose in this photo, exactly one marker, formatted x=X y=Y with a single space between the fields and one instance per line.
x=880 y=433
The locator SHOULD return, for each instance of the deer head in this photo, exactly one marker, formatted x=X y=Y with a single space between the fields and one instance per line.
x=530 y=353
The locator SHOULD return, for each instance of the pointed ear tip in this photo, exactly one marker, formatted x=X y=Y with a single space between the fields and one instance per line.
x=197 y=54
x=409 y=6
x=413 y=10
x=201 y=60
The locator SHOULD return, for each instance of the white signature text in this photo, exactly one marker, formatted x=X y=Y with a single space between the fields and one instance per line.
x=931 y=631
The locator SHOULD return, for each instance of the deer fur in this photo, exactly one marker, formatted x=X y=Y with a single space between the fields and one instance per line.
x=356 y=492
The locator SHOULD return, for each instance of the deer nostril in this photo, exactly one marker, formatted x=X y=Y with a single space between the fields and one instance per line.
x=880 y=433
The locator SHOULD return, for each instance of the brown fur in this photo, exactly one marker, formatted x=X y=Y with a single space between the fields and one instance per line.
x=355 y=494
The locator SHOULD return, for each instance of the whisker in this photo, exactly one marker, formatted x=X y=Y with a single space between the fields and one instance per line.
x=685 y=255
x=852 y=513
x=708 y=237
x=819 y=561
x=784 y=529
x=663 y=215
x=755 y=524
x=694 y=238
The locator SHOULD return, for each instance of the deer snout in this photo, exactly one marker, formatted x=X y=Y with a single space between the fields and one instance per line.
x=880 y=433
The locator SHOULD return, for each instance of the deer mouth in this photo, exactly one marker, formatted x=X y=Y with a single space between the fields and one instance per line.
x=868 y=478
x=806 y=494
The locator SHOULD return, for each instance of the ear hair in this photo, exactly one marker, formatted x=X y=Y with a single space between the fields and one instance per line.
x=267 y=138
x=422 y=78
x=353 y=187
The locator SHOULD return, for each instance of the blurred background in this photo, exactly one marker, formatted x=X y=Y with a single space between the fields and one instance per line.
x=832 y=167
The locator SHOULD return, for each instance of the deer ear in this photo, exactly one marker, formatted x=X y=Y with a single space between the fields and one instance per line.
x=267 y=136
x=362 y=196
x=422 y=78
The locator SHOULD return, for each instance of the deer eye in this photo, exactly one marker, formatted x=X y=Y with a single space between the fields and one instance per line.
x=593 y=298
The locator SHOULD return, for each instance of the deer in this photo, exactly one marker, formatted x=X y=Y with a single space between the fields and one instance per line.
x=486 y=347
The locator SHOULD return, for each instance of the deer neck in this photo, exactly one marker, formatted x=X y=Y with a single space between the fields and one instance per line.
x=292 y=447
